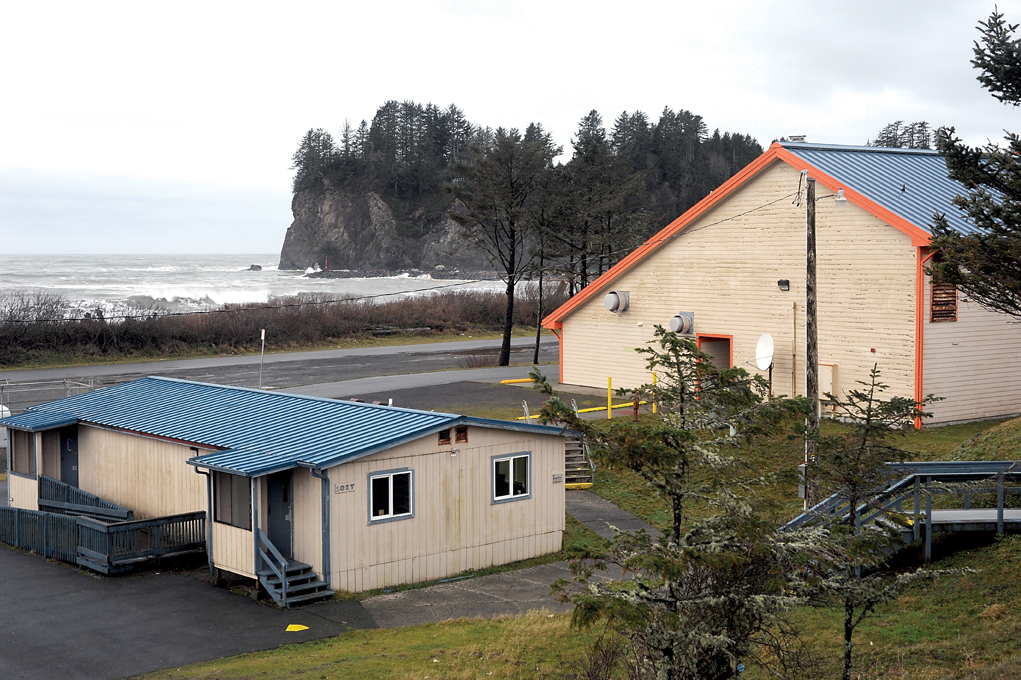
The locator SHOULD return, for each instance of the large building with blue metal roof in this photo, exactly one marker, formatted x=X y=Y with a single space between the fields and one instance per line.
x=363 y=496
x=735 y=265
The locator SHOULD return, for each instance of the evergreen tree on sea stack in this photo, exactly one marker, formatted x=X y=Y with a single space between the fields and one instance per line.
x=986 y=265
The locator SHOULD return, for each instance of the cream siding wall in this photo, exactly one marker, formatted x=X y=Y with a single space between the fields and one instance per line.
x=233 y=549
x=726 y=273
x=974 y=363
x=146 y=475
x=455 y=525
x=23 y=492
x=307 y=522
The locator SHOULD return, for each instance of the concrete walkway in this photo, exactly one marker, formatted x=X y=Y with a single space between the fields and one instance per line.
x=4 y=498
x=603 y=517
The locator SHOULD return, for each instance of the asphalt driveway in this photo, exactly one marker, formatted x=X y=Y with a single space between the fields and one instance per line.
x=57 y=621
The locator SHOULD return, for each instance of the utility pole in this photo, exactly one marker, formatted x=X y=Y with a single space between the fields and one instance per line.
x=811 y=349
x=262 y=357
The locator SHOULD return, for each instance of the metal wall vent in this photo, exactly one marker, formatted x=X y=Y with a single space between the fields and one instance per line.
x=617 y=301
x=683 y=323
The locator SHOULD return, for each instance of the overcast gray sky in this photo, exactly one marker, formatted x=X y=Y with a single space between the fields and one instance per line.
x=148 y=128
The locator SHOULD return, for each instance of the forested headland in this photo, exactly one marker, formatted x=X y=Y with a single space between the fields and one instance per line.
x=617 y=185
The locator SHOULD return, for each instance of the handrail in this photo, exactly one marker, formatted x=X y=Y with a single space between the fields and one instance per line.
x=263 y=540
x=907 y=483
x=63 y=497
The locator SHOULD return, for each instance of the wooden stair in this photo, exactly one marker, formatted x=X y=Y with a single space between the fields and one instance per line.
x=579 y=472
x=303 y=585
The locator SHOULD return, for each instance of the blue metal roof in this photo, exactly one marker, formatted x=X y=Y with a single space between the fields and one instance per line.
x=911 y=183
x=35 y=421
x=261 y=431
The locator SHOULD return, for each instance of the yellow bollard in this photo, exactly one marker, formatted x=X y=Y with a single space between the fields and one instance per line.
x=654 y=392
x=609 y=398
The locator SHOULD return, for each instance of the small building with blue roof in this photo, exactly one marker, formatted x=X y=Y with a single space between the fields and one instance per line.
x=363 y=496
x=736 y=262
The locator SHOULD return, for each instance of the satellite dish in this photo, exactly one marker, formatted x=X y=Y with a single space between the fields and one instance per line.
x=764 y=352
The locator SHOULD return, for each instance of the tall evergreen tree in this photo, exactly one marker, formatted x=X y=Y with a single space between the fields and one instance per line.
x=986 y=263
x=497 y=192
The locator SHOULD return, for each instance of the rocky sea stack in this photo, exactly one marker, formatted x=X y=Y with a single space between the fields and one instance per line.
x=346 y=228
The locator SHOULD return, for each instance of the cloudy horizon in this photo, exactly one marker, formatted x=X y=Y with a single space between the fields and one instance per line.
x=145 y=130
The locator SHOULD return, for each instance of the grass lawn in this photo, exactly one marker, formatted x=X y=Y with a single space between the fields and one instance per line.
x=3 y=476
x=536 y=645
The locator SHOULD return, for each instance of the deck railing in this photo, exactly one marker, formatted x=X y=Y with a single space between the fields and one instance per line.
x=111 y=547
x=50 y=535
x=104 y=547
x=64 y=499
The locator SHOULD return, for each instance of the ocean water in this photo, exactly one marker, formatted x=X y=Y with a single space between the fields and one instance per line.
x=122 y=283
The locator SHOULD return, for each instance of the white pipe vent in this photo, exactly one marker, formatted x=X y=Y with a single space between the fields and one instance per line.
x=683 y=323
x=617 y=301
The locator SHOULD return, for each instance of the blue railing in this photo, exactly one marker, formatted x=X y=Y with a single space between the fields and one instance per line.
x=913 y=482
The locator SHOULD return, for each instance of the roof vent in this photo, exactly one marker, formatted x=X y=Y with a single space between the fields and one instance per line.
x=797 y=138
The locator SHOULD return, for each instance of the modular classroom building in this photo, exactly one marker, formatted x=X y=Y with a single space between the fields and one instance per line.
x=736 y=262
x=367 y=496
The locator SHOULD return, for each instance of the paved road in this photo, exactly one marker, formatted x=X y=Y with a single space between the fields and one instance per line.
x=283 y=370
x=57 y=621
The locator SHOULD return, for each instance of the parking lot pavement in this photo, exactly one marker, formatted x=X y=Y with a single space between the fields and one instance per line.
x=57 y=621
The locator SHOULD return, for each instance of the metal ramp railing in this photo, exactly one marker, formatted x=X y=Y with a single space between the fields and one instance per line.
x=914 y=482
x=63 y=499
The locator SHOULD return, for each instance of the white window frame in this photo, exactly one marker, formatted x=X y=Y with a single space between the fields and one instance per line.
x=527 y=455
x=390 y=474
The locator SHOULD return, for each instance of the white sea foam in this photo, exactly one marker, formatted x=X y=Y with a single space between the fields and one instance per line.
x=120 y=284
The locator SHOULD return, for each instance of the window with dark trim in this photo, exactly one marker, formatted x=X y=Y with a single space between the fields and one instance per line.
x=461 y=434
x=232 y=500
x=942 y=302
x=511 y=479
x=391 y=495
x=22 y=452
x=444 y=437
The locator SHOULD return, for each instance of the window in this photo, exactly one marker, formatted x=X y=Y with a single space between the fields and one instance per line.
x=461 y=434
x=444 y=438
x=232 y=498
x=391 y=495
x=942 y=302
x=22 y=452
x=511 y=477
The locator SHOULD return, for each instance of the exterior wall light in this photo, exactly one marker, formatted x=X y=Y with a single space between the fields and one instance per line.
x=785 y=284
x=841 y=200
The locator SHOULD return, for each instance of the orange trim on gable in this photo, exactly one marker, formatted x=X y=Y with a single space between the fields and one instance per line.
x=919 y=237
x=555 y=320
x=560 y=345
